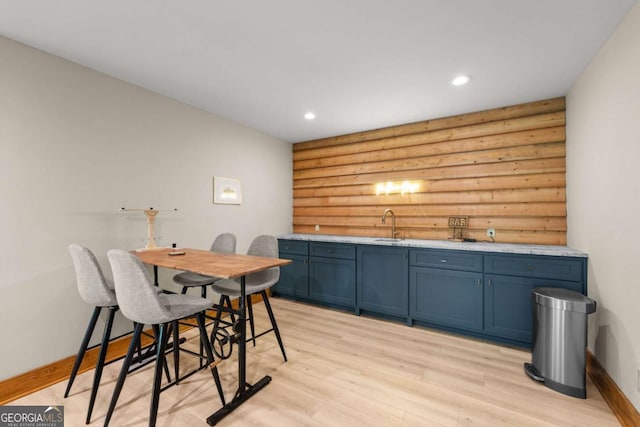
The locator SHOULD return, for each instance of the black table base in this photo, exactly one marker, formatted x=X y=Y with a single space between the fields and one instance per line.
x=240 y=397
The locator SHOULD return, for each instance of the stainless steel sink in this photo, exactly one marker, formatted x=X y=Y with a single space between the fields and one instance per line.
x=387 y=240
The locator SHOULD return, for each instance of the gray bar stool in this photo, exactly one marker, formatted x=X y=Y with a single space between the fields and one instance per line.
x=256 y=283
x=140 y=302
x=225 y=243
x=94 y=289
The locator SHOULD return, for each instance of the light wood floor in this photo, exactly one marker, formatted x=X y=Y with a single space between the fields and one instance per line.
x=345 y=370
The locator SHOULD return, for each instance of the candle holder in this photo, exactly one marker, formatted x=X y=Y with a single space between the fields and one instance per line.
x=151 y=220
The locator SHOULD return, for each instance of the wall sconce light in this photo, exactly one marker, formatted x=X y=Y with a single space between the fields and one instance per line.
x=404 y=187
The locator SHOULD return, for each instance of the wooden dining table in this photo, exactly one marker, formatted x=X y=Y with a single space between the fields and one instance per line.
x=225 y=266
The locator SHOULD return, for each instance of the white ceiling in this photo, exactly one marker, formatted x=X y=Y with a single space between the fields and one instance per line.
x=358 y=64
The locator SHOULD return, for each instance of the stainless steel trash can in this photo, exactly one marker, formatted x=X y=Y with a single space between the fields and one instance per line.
x=560 y=340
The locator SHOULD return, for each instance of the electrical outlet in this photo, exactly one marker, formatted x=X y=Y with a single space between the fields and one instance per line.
x=491 y=232
x=317 y=227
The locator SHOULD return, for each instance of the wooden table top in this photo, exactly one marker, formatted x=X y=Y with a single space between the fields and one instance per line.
x=216 y=264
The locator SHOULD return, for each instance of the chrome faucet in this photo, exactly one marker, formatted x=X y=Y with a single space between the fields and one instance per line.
x=393 y=221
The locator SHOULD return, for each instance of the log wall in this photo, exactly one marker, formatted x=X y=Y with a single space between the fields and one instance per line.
x=503 y=168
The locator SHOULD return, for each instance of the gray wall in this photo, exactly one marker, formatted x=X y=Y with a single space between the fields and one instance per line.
x=75 y=147
x=603 y=197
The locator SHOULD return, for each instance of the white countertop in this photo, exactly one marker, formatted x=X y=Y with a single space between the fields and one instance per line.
x=510 y=248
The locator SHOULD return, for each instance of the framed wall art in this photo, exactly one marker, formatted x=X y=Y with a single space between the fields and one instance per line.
x=226 y=191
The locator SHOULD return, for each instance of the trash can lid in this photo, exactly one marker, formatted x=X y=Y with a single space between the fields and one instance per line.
x=564 y=299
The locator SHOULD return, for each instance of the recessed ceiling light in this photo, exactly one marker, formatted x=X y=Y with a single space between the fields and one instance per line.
x=460 y=80
x=309 y=116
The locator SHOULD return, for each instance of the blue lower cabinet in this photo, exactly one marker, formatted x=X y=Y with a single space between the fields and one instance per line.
x=446 y=297
x=508 y=304
x=383 y=280
x=321 y=272
x=294 y=277
x=332 y=281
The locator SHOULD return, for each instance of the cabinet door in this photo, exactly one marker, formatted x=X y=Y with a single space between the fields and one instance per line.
x=446 y=297
x=383 y=280
x=294 y=277
x=332 y=281
x=509 y=304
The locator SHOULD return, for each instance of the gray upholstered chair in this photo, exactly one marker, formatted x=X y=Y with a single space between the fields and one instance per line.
x=256 y=283
x=94 y=289
x=140 y=303
x=226 y=243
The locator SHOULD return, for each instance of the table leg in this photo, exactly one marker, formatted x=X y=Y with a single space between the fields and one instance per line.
x=245 y=390
x=242 y=345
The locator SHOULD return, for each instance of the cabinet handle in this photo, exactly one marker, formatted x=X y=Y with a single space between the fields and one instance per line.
x=443 y=260
x=478 y=281
x=530 y=267
x=489 y=282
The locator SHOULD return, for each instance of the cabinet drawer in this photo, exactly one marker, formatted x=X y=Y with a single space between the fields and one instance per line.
x=298 y=247
x=332 y=250
x=450 y=260
x=559 y=268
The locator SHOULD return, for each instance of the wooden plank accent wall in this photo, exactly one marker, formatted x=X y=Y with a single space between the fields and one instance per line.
x=503 y=168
